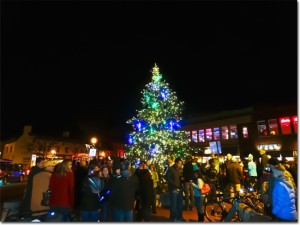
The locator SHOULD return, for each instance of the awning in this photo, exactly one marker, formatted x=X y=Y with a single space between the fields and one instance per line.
x=5 y=161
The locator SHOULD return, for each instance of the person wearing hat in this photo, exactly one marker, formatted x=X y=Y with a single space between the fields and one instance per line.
x=236 y=177
x=268 y=196
x=283 y=195
x=226 y=164
x=91 y=187
x=263 y=162
x=40 y=184
x=252 y=172
x=123 y=193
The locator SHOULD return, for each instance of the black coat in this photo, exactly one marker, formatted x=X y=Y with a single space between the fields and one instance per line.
x=123 y=192
x=146 y=188
x=90 y=199
x=188 y=171
x=235 y=174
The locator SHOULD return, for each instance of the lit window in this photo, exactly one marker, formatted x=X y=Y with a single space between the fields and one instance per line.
x=225 y=133
x=295 y=123
x=273 y=127
x=188 y=133
x=262 y=128
x=194 y=136
x=208 y=134
x=233 y=132
x=217 y=133
x=201 y=135
x=245 y=132
x=285 y=124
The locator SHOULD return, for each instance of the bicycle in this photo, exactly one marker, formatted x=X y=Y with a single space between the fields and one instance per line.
x=246 y=205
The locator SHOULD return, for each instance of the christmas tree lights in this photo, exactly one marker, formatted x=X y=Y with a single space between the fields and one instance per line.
x=156 y=134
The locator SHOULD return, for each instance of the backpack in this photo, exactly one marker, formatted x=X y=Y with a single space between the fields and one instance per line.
x=205 y=189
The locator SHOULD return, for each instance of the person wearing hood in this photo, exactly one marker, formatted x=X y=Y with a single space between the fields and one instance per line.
x=252 y=172
x=283 y=196
x=268 y=195
x=123 y=192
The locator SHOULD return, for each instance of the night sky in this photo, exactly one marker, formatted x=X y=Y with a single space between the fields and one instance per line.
x=81 y=66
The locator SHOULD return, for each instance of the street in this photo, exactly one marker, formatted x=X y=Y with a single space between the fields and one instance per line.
x=12 y=191
x=15 y=191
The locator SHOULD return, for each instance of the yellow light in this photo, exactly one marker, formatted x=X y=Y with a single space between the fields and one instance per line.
x=94 y=140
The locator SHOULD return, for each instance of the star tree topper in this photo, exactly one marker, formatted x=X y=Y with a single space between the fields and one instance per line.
x=156 y=76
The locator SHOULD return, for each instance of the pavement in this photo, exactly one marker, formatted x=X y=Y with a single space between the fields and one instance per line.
x=163 y=215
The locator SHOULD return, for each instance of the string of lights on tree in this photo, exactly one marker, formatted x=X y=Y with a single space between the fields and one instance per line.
x=156 y=131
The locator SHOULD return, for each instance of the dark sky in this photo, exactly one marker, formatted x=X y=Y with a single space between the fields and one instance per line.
x=81 y=66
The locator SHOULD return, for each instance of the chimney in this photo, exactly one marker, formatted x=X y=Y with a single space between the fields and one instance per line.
x=27 y=130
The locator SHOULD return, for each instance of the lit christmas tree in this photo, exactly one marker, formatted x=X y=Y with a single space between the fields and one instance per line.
x=156 y=134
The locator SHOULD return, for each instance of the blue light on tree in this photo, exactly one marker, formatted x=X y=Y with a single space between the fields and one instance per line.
x=130 y=139
x=172 y=124
x=164 y=94
x=139 y=125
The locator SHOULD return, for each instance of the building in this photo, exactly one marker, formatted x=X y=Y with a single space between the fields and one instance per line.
x=244 y=131
x=27 y=147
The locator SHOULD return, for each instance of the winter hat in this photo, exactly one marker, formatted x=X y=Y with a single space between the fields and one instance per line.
x=273 y=161
x=279 y=167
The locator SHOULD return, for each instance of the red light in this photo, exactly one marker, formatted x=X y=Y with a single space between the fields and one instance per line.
x=285 y=120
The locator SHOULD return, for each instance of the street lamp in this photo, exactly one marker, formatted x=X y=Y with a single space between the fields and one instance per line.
x=94 y=141
x=93 y=149
x=53 y=152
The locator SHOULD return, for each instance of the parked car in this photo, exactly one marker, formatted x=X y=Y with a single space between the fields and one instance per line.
x=11 y=172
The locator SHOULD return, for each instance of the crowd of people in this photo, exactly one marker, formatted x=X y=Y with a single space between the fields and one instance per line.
x=112 y=191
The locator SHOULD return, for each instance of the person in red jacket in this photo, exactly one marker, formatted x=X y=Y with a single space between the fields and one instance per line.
x=62 y=189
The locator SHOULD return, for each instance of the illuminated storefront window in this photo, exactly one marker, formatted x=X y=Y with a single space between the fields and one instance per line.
x=271 y=147
x=285 y=124
x=217 y=133
x=273 y=127
x=194 y=136
x=245 y=132
x=233 y=132
x=262 y=128
x=208 y=134
x=201 y=135
x=225 y=133
x=188 y=133
x=295 y=123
